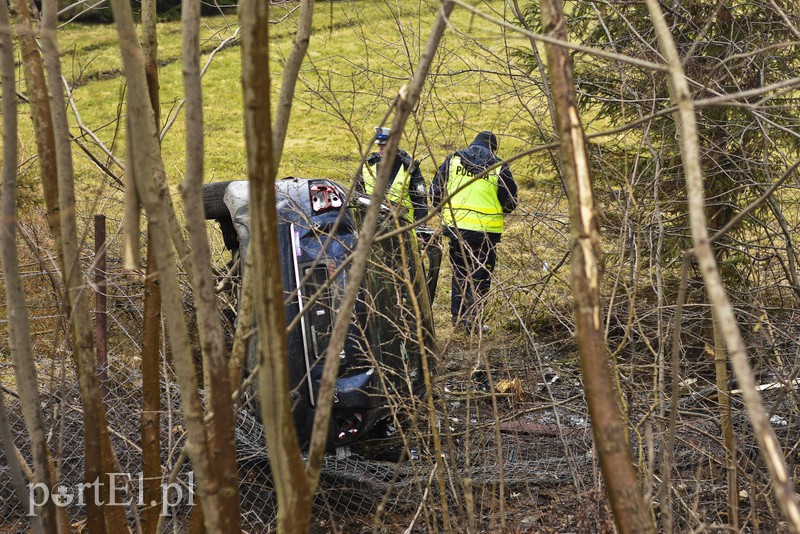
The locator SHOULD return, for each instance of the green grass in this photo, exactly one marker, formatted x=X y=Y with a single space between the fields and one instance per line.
x=361 y=54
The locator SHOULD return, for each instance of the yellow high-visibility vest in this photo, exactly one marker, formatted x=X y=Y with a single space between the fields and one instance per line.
x=398 y=191
x=474 y=206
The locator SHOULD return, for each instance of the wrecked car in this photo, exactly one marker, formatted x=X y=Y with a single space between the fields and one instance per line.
x=318 y=227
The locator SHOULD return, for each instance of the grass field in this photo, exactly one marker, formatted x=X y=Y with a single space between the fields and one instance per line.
x=361 y=54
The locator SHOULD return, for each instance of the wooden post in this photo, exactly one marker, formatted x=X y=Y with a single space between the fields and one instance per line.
x=100 y=307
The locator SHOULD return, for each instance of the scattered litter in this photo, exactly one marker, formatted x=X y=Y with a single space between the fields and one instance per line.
x=687 y=383
x=512 y=387
x=778 y=420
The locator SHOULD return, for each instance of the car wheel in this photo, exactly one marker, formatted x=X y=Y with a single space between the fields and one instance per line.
x=214 y=208
x=214 y=201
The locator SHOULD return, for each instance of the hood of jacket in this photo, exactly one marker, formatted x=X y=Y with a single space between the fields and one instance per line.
x=477 y=157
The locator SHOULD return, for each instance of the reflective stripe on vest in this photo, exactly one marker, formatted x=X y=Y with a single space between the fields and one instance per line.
x=398 y=190
x=474 y=206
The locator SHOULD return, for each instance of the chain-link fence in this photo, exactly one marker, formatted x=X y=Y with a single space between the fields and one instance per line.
x=509 y=407
x=544 y=464
x=353 y=488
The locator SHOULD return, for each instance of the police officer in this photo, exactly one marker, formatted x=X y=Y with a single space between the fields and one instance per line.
x=476 y=201
x=406 y=186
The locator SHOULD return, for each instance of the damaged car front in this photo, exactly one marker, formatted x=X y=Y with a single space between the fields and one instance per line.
x=380 y=365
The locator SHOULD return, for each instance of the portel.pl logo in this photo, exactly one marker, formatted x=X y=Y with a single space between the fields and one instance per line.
x=120 y=487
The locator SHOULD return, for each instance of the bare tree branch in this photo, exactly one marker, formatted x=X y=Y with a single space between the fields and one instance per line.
x=289 y=81
x=685 y=118
x=147 y=167
x=630 y=512
x=408 y=98
x=566 y=44
x=18 y=323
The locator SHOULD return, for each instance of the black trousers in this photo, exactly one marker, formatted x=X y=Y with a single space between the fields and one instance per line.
x=473 y=259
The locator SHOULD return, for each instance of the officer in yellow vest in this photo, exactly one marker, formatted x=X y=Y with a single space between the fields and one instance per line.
x=406 y=186
x=477 y=194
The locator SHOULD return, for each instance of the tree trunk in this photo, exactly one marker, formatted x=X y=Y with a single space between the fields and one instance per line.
x=151 y=324
x=42 y=123
x=244 y=329
x=288 y=472
x=222 y=442
x=51 y=116
x=728 y=436
x=729 y=328
x=151 y=394
x=150 y=52
x=17 y=314
x=627 y=503
x=14 y=461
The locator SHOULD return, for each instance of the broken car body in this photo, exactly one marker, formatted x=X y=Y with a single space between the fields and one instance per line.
x=381 y=362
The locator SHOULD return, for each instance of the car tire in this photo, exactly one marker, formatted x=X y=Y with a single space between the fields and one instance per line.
x=214 y=201
x=214 y=208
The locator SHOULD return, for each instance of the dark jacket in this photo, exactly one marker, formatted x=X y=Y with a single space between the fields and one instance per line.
x=416 y=187
x=477 y=157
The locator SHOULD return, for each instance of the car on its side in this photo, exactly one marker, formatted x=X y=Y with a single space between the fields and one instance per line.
x=381 y=362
